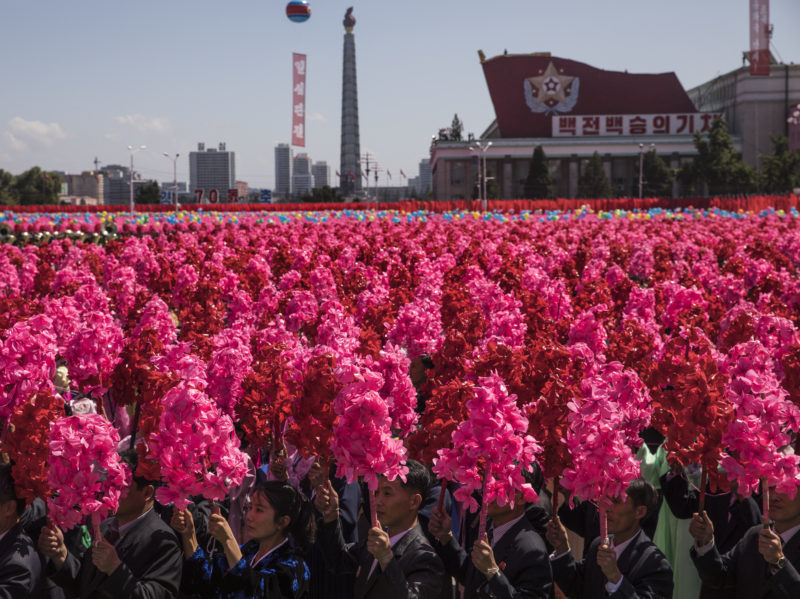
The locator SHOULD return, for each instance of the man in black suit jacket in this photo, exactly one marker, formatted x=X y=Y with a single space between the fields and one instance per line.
x=731 y=515
x=764 y=564
x=20 y=565
x=136 y=555
x=631 y=566
x=513 y=564
x=398 y=563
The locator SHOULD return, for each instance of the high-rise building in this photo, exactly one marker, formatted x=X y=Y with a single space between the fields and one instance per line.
x=283 y=170
x=321 y=173
x=87 y=184
x=302 y=180
x=212 y=169
x=350 y=154
x=116 y=184
x=425 y=176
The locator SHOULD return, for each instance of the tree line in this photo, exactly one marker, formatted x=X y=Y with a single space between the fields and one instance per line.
x=36 y=187
x=32 y=187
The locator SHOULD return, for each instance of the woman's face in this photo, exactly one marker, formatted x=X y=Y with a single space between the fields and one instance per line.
x=260 y=521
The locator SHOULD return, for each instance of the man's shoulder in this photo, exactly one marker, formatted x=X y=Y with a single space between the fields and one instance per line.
x=153 y=531
x=17 y=545
x=524 y=537
x=18 y=555
x=751 y=534
x=417 y=546
x=418 y=540
x=645 y=544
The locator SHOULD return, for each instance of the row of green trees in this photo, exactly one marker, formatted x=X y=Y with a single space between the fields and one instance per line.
x=37 y=187
x=718 y=169
x=34 y=186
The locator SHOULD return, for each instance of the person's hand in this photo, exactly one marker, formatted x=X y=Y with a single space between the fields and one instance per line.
x=326 y=500
x=51 y=544
x=316 y=474
x=182 y=522
x=483 y=559
x=440 y=525
x=607 y=560
x=277 y=465
x=378 y=545
x=219 y=528
x=769 y=545
x=557 y=536
x=104 y=556
x=701 y=529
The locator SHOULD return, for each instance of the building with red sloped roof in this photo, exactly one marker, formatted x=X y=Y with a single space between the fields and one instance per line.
x=573 y=110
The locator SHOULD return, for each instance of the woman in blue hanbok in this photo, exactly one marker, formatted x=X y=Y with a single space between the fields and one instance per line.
x=279 y=526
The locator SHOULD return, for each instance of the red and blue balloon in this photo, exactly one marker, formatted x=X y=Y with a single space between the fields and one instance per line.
x=298 y=11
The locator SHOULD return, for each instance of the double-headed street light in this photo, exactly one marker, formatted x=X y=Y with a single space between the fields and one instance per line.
x=133 y=151
x=174 y=178
x=641 y=163
x=482 y=148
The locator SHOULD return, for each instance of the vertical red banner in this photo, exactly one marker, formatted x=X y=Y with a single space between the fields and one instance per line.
x=299 y=100
x=759 y=37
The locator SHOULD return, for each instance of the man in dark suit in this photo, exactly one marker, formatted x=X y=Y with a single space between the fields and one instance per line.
x=731 y=515
x=511 y=562
x=396 y=563
x=765 y=563
x=20 y=565
x=136 y=555
x=629 y=566
x=325 y=583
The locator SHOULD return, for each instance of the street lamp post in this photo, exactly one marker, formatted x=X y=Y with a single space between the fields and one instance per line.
x=133 y=151
x=641 y=164
x=482 y=148
x=174 y=178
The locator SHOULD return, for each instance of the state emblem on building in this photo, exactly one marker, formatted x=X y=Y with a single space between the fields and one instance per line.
x=551 y=92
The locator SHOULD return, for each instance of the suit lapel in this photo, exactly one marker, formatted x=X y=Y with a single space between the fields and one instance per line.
x=501 y=550
x=7 y=541
x=630 y=554
x=124 y=546
x=91 y=577
x=792 y=549
x=365 y=581
x=506 y=542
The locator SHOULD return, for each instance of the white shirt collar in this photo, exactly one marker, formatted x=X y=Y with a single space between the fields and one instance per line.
x=618 y=549
x=393 y=540
x=126 y=527
x=499 y=531
x=785 y=535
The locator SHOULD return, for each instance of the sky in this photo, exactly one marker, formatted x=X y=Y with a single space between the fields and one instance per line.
x=86 y=79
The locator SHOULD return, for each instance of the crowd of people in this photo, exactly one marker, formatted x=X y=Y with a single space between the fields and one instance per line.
x=306 y=534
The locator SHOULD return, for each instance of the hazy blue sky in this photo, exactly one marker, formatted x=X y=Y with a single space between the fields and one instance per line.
x=86 y=78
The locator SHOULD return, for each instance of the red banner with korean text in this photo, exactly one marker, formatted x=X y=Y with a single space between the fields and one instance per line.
x=759 y=37
x=603 y=125
x=299 y=100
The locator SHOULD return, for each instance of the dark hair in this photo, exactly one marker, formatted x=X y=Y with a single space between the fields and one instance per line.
x=534 y=477
x=287 y=501
x=643 y=493
x=417 y=478
x=7 y=490
x=131 y=458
